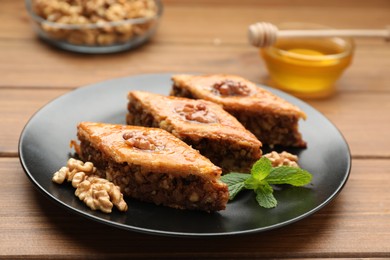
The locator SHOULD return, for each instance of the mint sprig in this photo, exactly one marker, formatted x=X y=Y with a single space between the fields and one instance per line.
x=260 y=179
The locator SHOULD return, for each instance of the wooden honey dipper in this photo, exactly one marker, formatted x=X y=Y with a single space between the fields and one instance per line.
x=264 y=34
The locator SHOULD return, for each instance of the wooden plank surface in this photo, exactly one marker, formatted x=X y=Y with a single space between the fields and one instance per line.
x=355 y=224
x=214 y=34
x=363 y=122
x=205 y=36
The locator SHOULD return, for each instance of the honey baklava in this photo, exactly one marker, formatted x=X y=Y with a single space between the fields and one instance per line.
x=273 y=120
x=152 y=165
x=204 y=125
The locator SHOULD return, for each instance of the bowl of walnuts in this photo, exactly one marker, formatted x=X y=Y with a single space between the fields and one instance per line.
x=99 y=26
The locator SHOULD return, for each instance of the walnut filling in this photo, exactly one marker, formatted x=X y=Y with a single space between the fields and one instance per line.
x=230 y=88
x=271 y=130
x=227 y=155
x=198 y=113
x=181 y=92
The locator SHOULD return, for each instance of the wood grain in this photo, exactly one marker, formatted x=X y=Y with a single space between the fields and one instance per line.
x=355 y=224
x=17 y=106
x=204 y=36
x=191 y=38
x=362 y=117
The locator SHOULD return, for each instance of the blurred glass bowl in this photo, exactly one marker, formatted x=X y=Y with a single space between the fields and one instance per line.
x=100 y=37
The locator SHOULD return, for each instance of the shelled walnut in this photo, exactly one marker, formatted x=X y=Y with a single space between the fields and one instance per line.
x=230 y=88
x=101 y=23
x=282 y=159
x=198 y=113
x=72 y=168
x=142 y=141
x=97 y=193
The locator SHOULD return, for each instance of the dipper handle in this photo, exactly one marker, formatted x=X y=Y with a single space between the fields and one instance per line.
x=263 y=34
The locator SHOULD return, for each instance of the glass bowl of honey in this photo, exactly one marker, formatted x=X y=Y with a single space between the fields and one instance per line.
x=307 y=67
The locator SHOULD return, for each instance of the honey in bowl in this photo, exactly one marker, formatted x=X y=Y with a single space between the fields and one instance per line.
x=308 y=67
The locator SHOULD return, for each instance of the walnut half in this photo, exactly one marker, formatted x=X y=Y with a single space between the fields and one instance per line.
x=72 y=168
x=282 y=159
x=141 y=140
x=97 y=193
x=196 y=112
x=230 y=88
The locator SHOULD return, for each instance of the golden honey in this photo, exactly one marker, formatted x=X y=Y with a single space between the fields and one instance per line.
x=308 y=67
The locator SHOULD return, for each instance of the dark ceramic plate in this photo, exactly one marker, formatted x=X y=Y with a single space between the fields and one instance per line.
x=44 y=148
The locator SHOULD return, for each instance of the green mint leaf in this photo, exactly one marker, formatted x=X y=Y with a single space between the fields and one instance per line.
x=265 y=197
x=261 y=168
x=235 y=182
x=289 y=175
x=262 y=176
x=252 y=183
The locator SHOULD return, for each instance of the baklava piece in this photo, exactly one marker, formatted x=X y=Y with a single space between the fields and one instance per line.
x=202 y=124
x=273 y=120
x=150 y=164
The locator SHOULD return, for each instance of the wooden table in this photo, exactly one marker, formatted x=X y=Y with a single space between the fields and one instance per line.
x=206 y=37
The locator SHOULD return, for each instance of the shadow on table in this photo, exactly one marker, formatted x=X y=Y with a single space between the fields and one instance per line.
x=98 y=239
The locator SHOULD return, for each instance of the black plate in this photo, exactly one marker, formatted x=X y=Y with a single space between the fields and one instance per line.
x=44 y=148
